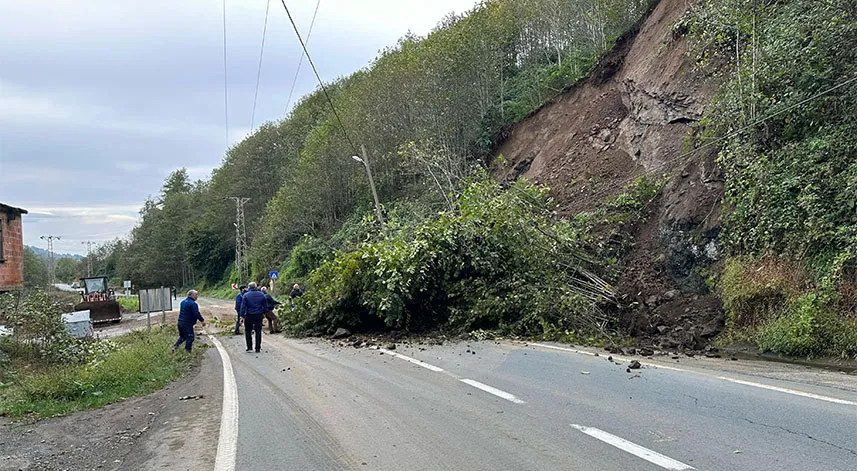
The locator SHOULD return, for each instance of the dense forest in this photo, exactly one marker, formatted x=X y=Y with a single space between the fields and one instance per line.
x=460 y=249
x=428 y=110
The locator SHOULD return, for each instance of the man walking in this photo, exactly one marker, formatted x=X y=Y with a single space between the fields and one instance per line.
x=238 y=299
x=188 y=315
x=253 y=307
x=269 y=314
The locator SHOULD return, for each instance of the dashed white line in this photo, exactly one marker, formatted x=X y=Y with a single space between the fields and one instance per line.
x=493 y=390
x=412 y=360
x=227 y=442
x=641 y=452
x=789 y=391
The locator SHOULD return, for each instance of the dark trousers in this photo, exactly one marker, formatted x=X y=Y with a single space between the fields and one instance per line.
x=185 y=335
x=237 y=323
x=272 y=322
x=253 y=323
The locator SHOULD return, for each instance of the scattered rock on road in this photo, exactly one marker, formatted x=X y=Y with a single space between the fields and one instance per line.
x=341 y=333
x=635 y=365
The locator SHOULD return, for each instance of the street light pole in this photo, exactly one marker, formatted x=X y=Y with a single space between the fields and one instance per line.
x=365 y=162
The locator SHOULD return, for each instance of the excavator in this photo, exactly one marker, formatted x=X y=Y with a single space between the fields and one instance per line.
x=99 y=300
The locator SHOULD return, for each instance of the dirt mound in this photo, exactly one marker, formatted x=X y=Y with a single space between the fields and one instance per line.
x=633 y=116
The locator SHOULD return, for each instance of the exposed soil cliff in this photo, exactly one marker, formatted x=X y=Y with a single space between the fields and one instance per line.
x=633 y=116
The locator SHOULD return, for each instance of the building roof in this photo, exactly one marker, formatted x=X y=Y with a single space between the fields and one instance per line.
x=5 y=208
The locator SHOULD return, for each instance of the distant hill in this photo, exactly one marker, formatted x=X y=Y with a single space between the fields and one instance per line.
x=44 y=253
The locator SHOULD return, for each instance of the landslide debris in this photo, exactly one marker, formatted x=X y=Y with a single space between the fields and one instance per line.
x=633 y=116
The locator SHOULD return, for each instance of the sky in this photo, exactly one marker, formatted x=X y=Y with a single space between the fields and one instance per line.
x=101 y=99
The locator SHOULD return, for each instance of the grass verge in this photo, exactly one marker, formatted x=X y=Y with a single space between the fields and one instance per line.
x=141 y=364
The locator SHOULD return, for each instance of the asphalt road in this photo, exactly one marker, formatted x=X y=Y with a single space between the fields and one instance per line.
x=325 y=405
x=316 y=405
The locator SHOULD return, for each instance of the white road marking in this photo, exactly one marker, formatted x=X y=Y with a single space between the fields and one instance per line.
x=789 y=391
x=493 y=390
x=227 y=442
x=592 y=354
x=412 y=360
x=651 y=456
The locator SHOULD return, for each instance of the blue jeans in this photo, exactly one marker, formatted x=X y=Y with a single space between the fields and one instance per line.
x=185 y=335
x=253 y=323
x=238 y=324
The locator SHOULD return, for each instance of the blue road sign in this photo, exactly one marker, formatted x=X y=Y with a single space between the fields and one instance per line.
x=274 y=275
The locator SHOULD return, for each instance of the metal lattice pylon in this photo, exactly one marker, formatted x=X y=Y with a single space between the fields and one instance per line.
x=240 y=239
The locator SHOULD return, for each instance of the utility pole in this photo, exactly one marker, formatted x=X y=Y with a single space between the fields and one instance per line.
x=240 y=238
x=365 y=162
x=88 y=244
x=51 y=264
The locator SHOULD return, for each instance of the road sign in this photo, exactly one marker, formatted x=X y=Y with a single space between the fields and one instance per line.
x=274 y=275
x=126 y=284
x=234 y=285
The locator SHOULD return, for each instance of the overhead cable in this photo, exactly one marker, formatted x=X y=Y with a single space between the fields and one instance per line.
x=318 y=77
x=259 y=72
x=225 y=80
x=301 y=59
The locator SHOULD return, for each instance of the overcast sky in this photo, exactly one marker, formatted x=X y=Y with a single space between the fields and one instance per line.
x=101 y=99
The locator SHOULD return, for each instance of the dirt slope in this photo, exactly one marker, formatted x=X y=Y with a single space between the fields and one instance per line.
x=632 y=116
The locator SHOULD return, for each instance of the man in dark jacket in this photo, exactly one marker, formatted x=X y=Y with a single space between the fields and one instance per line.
x=188 y=315
x=238 y=299
x=253 y=307
x=269 y=314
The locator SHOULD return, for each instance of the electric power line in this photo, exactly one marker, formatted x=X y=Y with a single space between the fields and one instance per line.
x=317 y=76
x=225 y=79
x=301 y=58
x=259 y=72
x=88 y=245
x=240 y=238
x=51 y=259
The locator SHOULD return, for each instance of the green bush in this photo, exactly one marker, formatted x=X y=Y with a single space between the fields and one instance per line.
x=130 y=365
x=498 y=261
x=131 y=304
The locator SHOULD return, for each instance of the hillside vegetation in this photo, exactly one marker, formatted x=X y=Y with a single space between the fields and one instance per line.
x=471 y=244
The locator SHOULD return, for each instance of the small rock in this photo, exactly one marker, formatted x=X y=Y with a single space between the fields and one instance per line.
x=635 y=365
x=646 y=352
x=341 y=333
x=671 y=294
x=391 y=346
x=662 y=329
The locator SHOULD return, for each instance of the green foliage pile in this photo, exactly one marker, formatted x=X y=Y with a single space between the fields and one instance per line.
x=791 y=179
x=498 y=261
x=131 y=304
x=131 y=365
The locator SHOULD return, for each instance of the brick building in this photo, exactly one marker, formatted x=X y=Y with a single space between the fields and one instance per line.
x=11 y=248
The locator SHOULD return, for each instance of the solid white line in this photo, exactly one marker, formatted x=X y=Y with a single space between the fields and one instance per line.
x=651 y=456
x=412 y=360
x=227 y=442
x=618 y=358
x=790 y=391
x=493 y=390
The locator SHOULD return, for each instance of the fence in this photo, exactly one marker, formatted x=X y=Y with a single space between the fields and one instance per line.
x=155 y=299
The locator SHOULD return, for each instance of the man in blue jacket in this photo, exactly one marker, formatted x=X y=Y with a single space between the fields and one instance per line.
x=238 y=299
x=188 y=315
x=253 y=307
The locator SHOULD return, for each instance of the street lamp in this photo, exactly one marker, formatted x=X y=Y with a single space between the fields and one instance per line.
x=365 y=162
